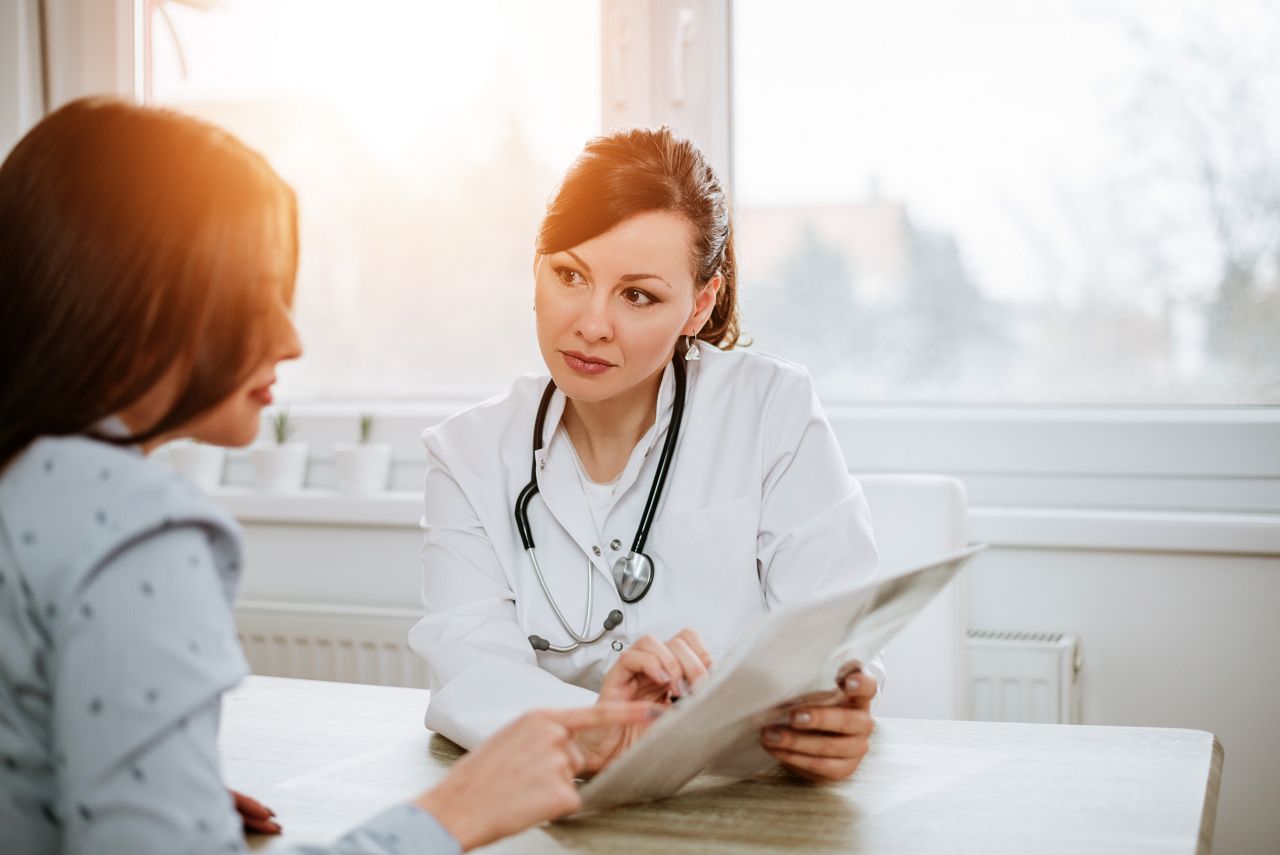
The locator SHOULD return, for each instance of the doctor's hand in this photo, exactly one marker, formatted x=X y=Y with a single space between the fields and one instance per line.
x=523 y=774
x=647 y=671
x=827 y=741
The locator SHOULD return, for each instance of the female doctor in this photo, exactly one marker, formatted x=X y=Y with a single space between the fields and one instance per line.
x=659 y=485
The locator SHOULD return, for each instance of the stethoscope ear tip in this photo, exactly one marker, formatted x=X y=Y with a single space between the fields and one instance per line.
x=540 y=643
x=614 y=618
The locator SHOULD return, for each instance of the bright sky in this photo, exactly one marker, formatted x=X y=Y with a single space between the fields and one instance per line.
x=406 y=74
x=997 y=120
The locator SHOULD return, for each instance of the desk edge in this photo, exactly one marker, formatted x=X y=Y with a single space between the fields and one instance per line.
x=1209 y=815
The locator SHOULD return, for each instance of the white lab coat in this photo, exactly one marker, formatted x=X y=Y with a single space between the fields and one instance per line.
x=758 y=510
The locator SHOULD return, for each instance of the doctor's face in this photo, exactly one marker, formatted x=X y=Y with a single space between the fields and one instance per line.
x=611 y=309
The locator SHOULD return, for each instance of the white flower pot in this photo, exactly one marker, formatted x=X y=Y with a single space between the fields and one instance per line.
x=199 y=463
x=280 y=468
x=362 y=468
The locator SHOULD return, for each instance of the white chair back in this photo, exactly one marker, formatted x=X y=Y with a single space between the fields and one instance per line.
x=918 y=518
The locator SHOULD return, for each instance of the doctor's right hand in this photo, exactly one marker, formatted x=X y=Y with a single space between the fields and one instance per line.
x=523 y=774
x=648 y=671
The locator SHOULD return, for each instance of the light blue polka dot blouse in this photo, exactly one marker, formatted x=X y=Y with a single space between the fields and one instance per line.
x=116 y=644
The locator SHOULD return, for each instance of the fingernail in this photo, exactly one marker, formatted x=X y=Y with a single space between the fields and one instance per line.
x=663 y=676
x=773 y=735
x=654 y=712
x=851 y=685
x=801 y=718
x=683 y=685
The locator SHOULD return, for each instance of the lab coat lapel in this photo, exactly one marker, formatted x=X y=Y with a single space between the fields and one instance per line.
x=650 y=444
x=558 y=484
x=558 y=480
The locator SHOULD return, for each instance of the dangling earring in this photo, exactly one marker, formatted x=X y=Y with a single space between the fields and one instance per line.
x=691 y=353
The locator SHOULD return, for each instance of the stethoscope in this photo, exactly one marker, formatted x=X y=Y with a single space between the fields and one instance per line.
x=632 y=573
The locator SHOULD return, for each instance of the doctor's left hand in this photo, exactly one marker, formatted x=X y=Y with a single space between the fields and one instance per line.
x=826 y=742
x=647 y=671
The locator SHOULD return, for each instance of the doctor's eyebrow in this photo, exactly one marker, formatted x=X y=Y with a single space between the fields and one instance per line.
x=634 y=277
x=630 y=277
x=578 y=258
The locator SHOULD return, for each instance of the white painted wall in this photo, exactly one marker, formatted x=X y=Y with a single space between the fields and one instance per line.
x=1153 y=535
x=1169 y=640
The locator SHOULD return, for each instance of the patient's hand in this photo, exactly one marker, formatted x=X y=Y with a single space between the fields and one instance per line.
x=523 y=774
x=648 y=671
x=826 y=741
x=256 y=817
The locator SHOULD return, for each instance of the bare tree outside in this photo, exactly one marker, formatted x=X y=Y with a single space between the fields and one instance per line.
x=1099 y=230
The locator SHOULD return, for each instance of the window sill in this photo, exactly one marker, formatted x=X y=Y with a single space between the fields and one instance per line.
x=392 y=509
x=1039 y=528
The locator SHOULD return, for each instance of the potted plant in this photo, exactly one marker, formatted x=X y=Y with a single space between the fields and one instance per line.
x=363 y=467
x=281 y=466
x=198 y=462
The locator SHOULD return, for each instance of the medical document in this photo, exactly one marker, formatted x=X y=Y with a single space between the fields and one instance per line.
x=792 y=652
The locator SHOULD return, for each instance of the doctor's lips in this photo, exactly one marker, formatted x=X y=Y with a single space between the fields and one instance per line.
x=584 y=364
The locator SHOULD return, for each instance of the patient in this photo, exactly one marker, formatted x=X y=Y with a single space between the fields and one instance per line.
x=147 y=265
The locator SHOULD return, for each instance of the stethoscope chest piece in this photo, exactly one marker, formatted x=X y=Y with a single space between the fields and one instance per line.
x=633 y=574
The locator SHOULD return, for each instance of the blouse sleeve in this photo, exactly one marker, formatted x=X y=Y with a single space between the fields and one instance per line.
x=815 y=528
x=146 y=652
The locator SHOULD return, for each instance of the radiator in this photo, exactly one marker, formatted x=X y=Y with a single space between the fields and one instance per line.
x=1013 y=676
x=348 y=644
x=1024 y=676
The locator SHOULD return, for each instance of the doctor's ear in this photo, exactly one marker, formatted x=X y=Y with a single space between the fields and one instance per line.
x=703 y=304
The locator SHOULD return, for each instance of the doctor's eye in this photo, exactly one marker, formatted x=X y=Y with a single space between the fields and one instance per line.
x=569 y=276
x=636 y=297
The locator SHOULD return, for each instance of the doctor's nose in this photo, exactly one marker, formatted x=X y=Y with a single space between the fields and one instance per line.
x=595 y=324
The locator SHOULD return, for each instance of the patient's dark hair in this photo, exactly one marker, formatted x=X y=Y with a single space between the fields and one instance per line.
x=639 y=170
x=132 y=241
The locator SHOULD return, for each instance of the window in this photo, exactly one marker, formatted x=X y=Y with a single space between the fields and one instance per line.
x=423 y=140
x=991 y=202
x=998 y=201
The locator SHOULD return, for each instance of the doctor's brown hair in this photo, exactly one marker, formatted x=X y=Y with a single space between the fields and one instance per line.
x=134 y=241
x=636 y=171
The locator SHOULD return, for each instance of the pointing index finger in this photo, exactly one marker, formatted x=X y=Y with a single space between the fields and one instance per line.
x=606 y=714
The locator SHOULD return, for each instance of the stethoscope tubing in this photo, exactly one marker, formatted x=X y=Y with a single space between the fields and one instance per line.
x=578 y=638
x=642 y=531
x=664 y=461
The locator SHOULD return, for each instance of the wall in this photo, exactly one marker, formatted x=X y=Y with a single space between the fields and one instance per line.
x=1181 y=639
x=1169 y=640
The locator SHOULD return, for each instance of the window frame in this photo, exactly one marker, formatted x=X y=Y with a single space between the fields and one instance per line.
x=1149 y=478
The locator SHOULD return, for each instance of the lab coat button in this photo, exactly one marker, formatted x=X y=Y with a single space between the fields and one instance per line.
x=615 y=544
x=617 y=646
x=595 y=550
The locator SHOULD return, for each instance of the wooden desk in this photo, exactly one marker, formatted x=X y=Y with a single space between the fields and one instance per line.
x=326 y=755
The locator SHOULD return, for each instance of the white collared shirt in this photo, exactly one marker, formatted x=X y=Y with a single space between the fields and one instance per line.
x=758 y=510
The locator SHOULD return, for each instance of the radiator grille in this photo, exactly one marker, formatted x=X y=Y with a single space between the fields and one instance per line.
x=364 y=645
x=1013 y=675
x=1024 y=676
